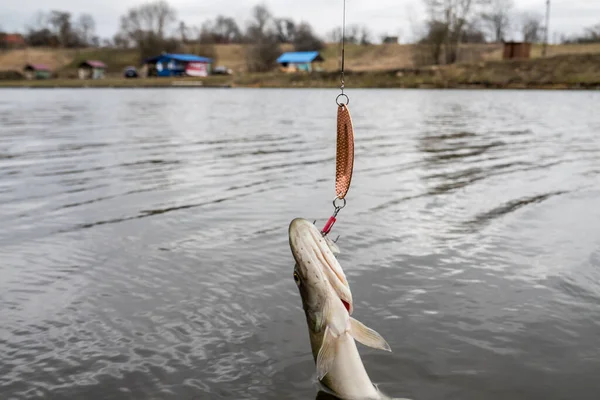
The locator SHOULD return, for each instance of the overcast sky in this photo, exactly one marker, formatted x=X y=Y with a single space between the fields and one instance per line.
x=381 y=16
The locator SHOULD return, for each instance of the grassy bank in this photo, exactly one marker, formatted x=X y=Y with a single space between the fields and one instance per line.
x=578 y=71
x=213 y=81
x=383 y=57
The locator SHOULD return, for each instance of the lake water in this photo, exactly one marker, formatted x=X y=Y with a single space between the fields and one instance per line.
x=144 y=250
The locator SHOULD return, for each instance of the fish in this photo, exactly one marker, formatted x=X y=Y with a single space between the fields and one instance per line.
x=328 y=306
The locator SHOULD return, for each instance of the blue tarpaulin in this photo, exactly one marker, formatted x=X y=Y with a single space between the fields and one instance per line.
x=175 y=64
x=299 y=57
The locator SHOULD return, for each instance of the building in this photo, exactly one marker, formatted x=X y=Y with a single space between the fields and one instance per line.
x=37 y=71
x=12 y=41
x=300 y=61
x=516 y=50
x=391 y=40
x=178 y=65
x=91 y=69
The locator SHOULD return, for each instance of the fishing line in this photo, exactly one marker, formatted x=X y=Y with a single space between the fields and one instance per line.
x=344 y=160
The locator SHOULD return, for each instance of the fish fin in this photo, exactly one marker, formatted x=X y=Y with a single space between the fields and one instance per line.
x=332 y=245
x=367 y=336
x=326 y=354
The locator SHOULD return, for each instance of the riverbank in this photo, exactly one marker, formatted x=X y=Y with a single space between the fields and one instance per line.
x=579 y=71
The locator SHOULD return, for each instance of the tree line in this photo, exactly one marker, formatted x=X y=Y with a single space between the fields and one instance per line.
x=154 y=26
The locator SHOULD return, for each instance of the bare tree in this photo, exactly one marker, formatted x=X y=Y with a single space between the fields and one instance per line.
x=39 y=33
x=260 y=27
x=352 y=34
x=183 y=32
x=434 y=40
x=60 y=22
x=286 y=30
x=121 y=41
x=86 y=27
x=150 y=18
x=472 y=33
x=305 y=40
x=449 y=18
x=145 y=26
x=356 y=34
x=590 y=35
x=531 y=27
x=335 y=35
x=222 y=30
x=366 y=37
x=497 y=18
x=262 y=55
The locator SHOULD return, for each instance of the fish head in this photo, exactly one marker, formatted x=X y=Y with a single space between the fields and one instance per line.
x=317 y=272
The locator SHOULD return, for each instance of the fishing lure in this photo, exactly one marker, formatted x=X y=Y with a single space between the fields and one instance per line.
x=344 y=159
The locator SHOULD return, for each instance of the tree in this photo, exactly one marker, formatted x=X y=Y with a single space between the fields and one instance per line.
x=86 y=27
x=335 y=35
x=61 y=25
x=448 y=18
x=148 y=19
x=222 y=30
x=60 y=21
x=590 y=35
x=497 y=18
x=305 y=40
x=531 y=27
x=121 y=41
x=259 y=27
x=472 y=33
x=53 y=29
x=434 y=39
x=145 y=27
x=286 y=30
x=183 y=32
x=355 y=34
x=364 y=36
x=262 y=55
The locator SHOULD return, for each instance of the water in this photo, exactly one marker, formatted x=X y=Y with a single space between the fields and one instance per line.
x=144 y=248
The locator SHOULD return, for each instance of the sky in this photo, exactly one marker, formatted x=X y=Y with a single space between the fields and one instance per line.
x=391 y=17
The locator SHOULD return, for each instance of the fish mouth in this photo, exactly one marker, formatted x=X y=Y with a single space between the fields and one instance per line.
x=309 y=247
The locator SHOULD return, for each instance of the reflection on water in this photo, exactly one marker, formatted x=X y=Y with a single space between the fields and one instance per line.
x=144 y=250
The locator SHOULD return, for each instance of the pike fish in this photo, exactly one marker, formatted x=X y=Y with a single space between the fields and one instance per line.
x=328 y=306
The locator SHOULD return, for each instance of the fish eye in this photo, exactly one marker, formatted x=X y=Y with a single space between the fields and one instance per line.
x=296 y=278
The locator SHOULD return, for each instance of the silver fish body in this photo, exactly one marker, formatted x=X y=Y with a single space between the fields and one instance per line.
x=327 y=303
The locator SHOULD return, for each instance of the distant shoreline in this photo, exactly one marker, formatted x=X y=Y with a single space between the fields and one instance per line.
x=564 y=72
x=165 y=83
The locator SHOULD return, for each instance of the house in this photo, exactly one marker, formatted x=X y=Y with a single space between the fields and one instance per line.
x=178 y=65
x=516 y=50
x=300 y=61
x=91 y=69
x=37 y=71
x=390 y=40
x=12 y=41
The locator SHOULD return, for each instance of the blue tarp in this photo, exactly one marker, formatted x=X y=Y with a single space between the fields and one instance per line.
x=299 y=57
x=174 y=64
x=180 y=57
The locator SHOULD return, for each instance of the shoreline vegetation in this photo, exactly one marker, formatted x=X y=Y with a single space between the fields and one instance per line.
x=559 y=72
x=469 y=45
x=372 y=66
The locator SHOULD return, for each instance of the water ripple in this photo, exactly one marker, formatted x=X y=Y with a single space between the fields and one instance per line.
x=145 y=255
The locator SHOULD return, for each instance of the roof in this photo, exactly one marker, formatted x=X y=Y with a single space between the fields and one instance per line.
x=299 y=57
x=181 y=57
x=13 y=38
x=38 y=67
x=93 y=63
